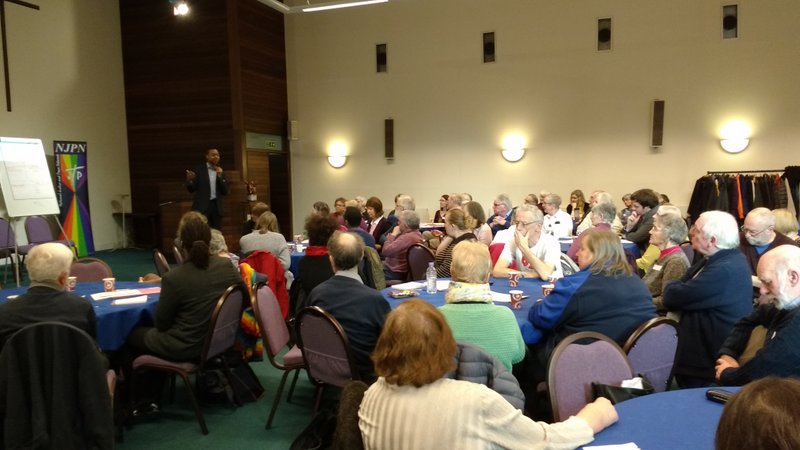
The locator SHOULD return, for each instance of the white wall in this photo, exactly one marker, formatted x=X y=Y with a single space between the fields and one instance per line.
x=67 y=84
x=585 y=114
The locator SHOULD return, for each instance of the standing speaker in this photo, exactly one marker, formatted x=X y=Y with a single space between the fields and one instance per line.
x=657 y=123
x=730 y=22
x=604 y=34
x=388 y=138
x=488 y=47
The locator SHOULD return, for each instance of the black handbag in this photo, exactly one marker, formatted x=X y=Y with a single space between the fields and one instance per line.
x=616 y=394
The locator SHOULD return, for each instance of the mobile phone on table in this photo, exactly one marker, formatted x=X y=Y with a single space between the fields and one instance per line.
x=718 y=395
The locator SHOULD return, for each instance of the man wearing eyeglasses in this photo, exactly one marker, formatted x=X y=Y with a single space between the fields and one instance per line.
x=758 y=237
x=537 y=255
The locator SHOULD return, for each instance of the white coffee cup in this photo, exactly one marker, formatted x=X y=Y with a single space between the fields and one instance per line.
x=109 y=284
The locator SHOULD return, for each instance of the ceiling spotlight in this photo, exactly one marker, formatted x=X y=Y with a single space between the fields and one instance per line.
x=180 y=8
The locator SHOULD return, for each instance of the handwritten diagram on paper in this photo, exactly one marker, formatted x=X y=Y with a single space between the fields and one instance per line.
x=28 y=178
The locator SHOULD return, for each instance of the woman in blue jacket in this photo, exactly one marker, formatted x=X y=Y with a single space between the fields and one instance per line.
x=604 y=296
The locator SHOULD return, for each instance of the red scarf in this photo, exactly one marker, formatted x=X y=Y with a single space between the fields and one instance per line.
x=316 y=250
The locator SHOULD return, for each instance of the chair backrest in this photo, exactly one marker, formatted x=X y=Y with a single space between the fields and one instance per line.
x=418 y=258
x=224 y=322
x=7 y=236
x=270 y=321
x=568 y=266
x=160 y=261
x=651 y=350
x=90 y=269
x=495 y=250
x=37 y=228
x=326 y=350
x=574 y=366
x=688 y=250
x=53 y=362
x=177 y=254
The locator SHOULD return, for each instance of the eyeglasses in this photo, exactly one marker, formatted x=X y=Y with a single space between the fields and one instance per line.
x=751 y=232
x=523 y=224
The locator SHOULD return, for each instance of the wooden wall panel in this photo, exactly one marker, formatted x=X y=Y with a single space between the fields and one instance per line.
x=198 y=82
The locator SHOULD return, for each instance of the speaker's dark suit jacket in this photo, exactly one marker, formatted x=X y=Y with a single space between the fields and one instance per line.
x=201 y=188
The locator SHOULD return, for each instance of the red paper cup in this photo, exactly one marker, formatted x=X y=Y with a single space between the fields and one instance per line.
x=513 y=279
x=516 y=298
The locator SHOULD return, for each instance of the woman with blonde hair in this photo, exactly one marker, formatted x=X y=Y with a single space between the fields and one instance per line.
x=604 y=296
x=267 y=238
x=458 y=227
x=786 y=224
x=412 y=405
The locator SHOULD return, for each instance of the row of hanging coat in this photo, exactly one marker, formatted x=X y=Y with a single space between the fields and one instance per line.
x=740 y=192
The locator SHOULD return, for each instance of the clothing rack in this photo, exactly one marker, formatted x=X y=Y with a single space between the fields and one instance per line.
x=742 y=171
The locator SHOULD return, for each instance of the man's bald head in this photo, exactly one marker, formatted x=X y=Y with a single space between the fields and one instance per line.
x=779 y=272
x=345 y=250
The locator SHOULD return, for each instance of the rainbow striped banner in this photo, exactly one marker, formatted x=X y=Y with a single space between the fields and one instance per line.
x=72 y=191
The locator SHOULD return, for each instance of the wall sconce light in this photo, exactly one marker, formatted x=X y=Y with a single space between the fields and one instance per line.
x=179 y=7
x=735 y=137
x=337 y=154
x=513 y=148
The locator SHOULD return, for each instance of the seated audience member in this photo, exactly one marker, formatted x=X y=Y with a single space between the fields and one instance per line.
x=711 y=296
x=413 y=406
x=359 y=309
x=395 y=249
x=602 y=216
x=763 y=415
x=507 y=235
x=315 y=266
x=542 y=194
x=321 y=208
x=604 y=296
x=218 y=247
x=255 y=212
x=626 y=211
x=596 y=198
x=403 y=202
x=531 y=199
x=556 y=221
x=352 y=220
x=439 y=216
x=501 y=218
x=458 y=227
x=779 y=272
x=759 y=236
x=578 y=206
x=378 y=225
x=649 y=257
x=466 y=197
x=668 y=232
x=469 y=309
x=663 y=199
x=786 y=224
x=47 y=298
x=189 y=294
x=537 y=255
x=482 y=230
x=454 y=201
x=644 y=204
x=338 y=210
x=362 y=206
x=267 y=238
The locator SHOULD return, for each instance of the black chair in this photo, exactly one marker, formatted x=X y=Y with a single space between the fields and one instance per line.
x=160 y=261
x=418 y=258
x=53 y=390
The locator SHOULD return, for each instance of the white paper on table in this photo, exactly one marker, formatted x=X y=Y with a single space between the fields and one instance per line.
x=409 y=285
x=115 y=294
x=442 y=285
x=628 y=446
x=130 y=301
x=500 y=297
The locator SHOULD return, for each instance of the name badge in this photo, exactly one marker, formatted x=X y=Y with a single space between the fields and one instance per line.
x=657 y=267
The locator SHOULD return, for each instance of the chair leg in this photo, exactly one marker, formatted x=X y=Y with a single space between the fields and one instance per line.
x=191 y=393
x=294 y=382
x=277 y=399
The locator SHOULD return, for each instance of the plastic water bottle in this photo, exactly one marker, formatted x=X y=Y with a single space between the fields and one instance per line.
x=430 y=279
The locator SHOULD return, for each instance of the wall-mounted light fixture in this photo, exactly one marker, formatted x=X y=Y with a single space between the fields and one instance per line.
x=337 y=154
x=735 y=137
x=513 y=147
x=179 y=7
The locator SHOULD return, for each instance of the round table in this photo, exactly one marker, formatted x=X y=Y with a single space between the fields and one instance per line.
x=114 y=322
x=531 y=287
x=682 y=419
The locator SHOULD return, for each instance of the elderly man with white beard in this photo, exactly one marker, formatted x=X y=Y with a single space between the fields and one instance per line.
x=779 y=272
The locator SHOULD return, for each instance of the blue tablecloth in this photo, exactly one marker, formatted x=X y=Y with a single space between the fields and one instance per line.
x=670 y=420
x=295 y=264
x=114 y=322
x=529 y=286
